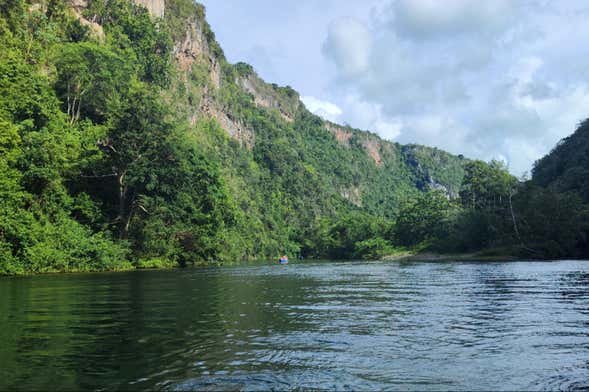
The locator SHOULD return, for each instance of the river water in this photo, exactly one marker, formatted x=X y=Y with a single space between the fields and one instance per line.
x=323 y=325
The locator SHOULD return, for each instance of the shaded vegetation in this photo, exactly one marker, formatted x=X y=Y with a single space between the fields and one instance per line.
x=566 y=167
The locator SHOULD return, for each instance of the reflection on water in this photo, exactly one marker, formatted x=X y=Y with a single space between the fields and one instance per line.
x=328 y=325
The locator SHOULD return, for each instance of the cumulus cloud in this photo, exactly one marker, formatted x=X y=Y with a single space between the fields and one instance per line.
x=369 y=116
x=324 y=109
x=348 y=43
x=485 y=79
x=422 y=19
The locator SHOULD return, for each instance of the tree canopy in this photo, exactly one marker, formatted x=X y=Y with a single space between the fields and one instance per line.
x=121 y=148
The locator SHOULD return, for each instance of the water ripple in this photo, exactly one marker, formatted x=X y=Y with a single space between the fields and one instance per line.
x=307 y=326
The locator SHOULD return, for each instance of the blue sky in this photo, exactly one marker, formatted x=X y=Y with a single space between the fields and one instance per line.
x=490 y=80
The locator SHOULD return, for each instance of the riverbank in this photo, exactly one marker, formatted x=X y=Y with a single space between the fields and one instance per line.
x=498 y=254
x=488 y=255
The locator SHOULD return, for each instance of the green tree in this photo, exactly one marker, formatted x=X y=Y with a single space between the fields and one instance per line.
x=91 y=80
x=566 y=167
x=486 y=186
x=552 y=224
x=424 y=218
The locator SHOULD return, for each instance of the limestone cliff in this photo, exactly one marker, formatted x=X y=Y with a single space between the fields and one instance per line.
x=270 y=96
x=193 y=45
x=208 y=86
x=155 y=7
x=341 y=134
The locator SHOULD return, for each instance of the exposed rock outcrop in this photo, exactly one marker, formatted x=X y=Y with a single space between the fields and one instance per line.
x=195 y=46
x=78 y=7
x=371 y=144
x=270 y=96
x=424 y=178
x=372 y=147
x=155 y=7
x=353 y=195
x=341 y=134
x=235 y=128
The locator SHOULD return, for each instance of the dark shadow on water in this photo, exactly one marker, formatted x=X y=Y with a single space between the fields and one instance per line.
x=306 y=326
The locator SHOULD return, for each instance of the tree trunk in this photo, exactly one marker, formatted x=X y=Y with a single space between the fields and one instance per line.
x=77 y=117
x=73 y=112
x=122 y=203
x=125 y=231
x=69 y=104
x=515 y=228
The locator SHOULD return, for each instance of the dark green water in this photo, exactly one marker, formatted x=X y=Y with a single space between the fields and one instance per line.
x=357 y=326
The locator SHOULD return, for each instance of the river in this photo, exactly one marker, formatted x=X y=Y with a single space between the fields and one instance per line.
x=325 y=325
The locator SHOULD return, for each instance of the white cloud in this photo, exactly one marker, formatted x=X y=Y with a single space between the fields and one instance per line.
x=387 y=129
x=325 y=109
x=348 y=43
x=484 y=79
x=369 y=116
x=425 y=19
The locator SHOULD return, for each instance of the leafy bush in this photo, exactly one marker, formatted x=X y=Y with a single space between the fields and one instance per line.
x=372 y=249
x=155 y=263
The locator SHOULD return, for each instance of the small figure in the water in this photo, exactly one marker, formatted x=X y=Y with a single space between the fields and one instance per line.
x=283 y=260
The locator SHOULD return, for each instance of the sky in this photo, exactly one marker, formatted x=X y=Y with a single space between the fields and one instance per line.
x=490 y=80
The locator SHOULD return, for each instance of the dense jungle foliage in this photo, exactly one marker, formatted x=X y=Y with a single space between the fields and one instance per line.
x=107 y=161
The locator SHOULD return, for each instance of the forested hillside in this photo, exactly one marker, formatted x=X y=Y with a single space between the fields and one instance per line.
x=566 y=168
x=128 y=140
x=546 y=217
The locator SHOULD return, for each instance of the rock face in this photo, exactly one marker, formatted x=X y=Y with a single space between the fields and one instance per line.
x=155 y=7
x=371 y=144
x=270 y=96
x=199 y=60
x=235 y=128
x=341 y=134
x=195 y=47
x=426 y=178
x=353 y=195
x=372 y=147
x=78 y=6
